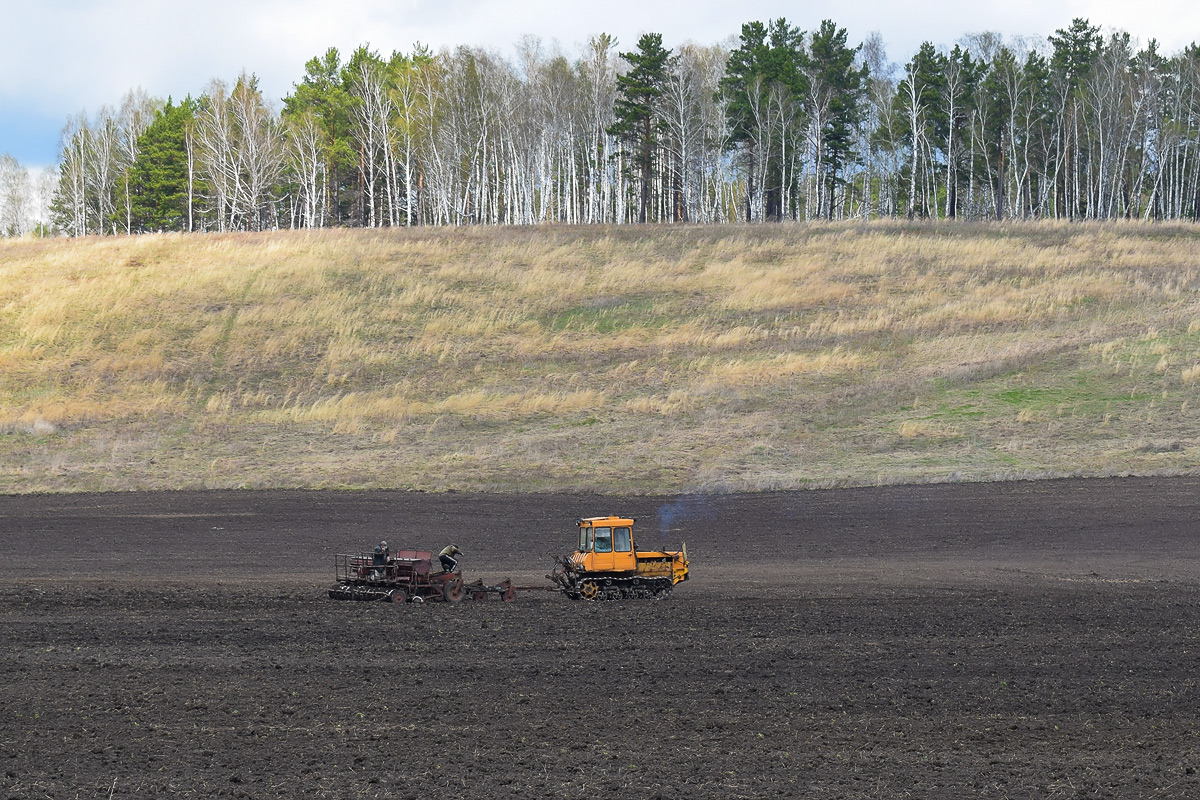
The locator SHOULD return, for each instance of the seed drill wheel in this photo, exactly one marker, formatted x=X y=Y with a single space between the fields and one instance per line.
x=398 y=596
x=588 y=590
x=452 y=591
x=479 y=596
x=509 y=595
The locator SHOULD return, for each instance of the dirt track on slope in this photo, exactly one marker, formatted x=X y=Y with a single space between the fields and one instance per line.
x=979 y=640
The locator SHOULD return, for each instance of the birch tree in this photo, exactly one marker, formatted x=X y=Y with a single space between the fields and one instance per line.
x=308 y=166
x=1075 y=49
x=241 y=152
x=371 y=114
x=685 y=95
x=918 y=105
x=879 y=135
x=69 y=208
x=598 y=72
x=323 y=93
x=406 y=99
x=16 y=198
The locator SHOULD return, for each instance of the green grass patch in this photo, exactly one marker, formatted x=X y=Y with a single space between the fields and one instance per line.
x=1037 y=396
x=609 y=315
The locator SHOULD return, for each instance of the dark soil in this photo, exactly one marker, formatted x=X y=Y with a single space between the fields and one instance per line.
x=1006 y=640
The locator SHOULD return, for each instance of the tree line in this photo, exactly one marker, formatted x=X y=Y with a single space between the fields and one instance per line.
x=785 y=125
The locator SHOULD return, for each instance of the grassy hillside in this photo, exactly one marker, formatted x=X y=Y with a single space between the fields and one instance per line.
x=609 y=359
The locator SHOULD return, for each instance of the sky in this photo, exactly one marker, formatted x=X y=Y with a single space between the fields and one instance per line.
x=60 y=58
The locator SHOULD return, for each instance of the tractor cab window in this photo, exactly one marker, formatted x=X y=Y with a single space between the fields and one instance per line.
x=585 y=540
x=604 y=541
x=622 y=540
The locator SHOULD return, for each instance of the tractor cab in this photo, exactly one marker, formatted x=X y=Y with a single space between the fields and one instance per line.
x=608 y=565
x=605 y=544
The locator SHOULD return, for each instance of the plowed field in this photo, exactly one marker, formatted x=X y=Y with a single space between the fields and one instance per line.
x=980 y=640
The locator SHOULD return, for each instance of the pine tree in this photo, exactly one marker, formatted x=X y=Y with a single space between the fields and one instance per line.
x=324 y=93
x=921 y=119
x=995 y=114
x=961 y=75
x=159 y=178
x=766 y=68
x=637 y=122
x=1076 y=49
x=831 y=65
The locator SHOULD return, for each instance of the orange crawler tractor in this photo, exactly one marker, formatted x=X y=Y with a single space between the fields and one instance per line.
x=608 y=565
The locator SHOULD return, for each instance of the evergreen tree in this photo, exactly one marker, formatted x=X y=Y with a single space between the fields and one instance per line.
x=921 y=119
x=324 y=93
x=996 y=112
x=961 y=75
x=159 y=184
x=637 y=122
x=742 y=82
x=765 y=87
x=368 y=80
x=1033 y=117
x=1076 y=49
x=838 y=85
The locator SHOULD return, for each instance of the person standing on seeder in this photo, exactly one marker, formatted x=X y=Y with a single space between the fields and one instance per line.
x=447 y=557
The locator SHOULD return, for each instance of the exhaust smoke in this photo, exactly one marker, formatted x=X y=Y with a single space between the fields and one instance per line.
x=680 y=510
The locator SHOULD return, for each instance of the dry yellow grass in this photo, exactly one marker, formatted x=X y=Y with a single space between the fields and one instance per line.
x=613 y=359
